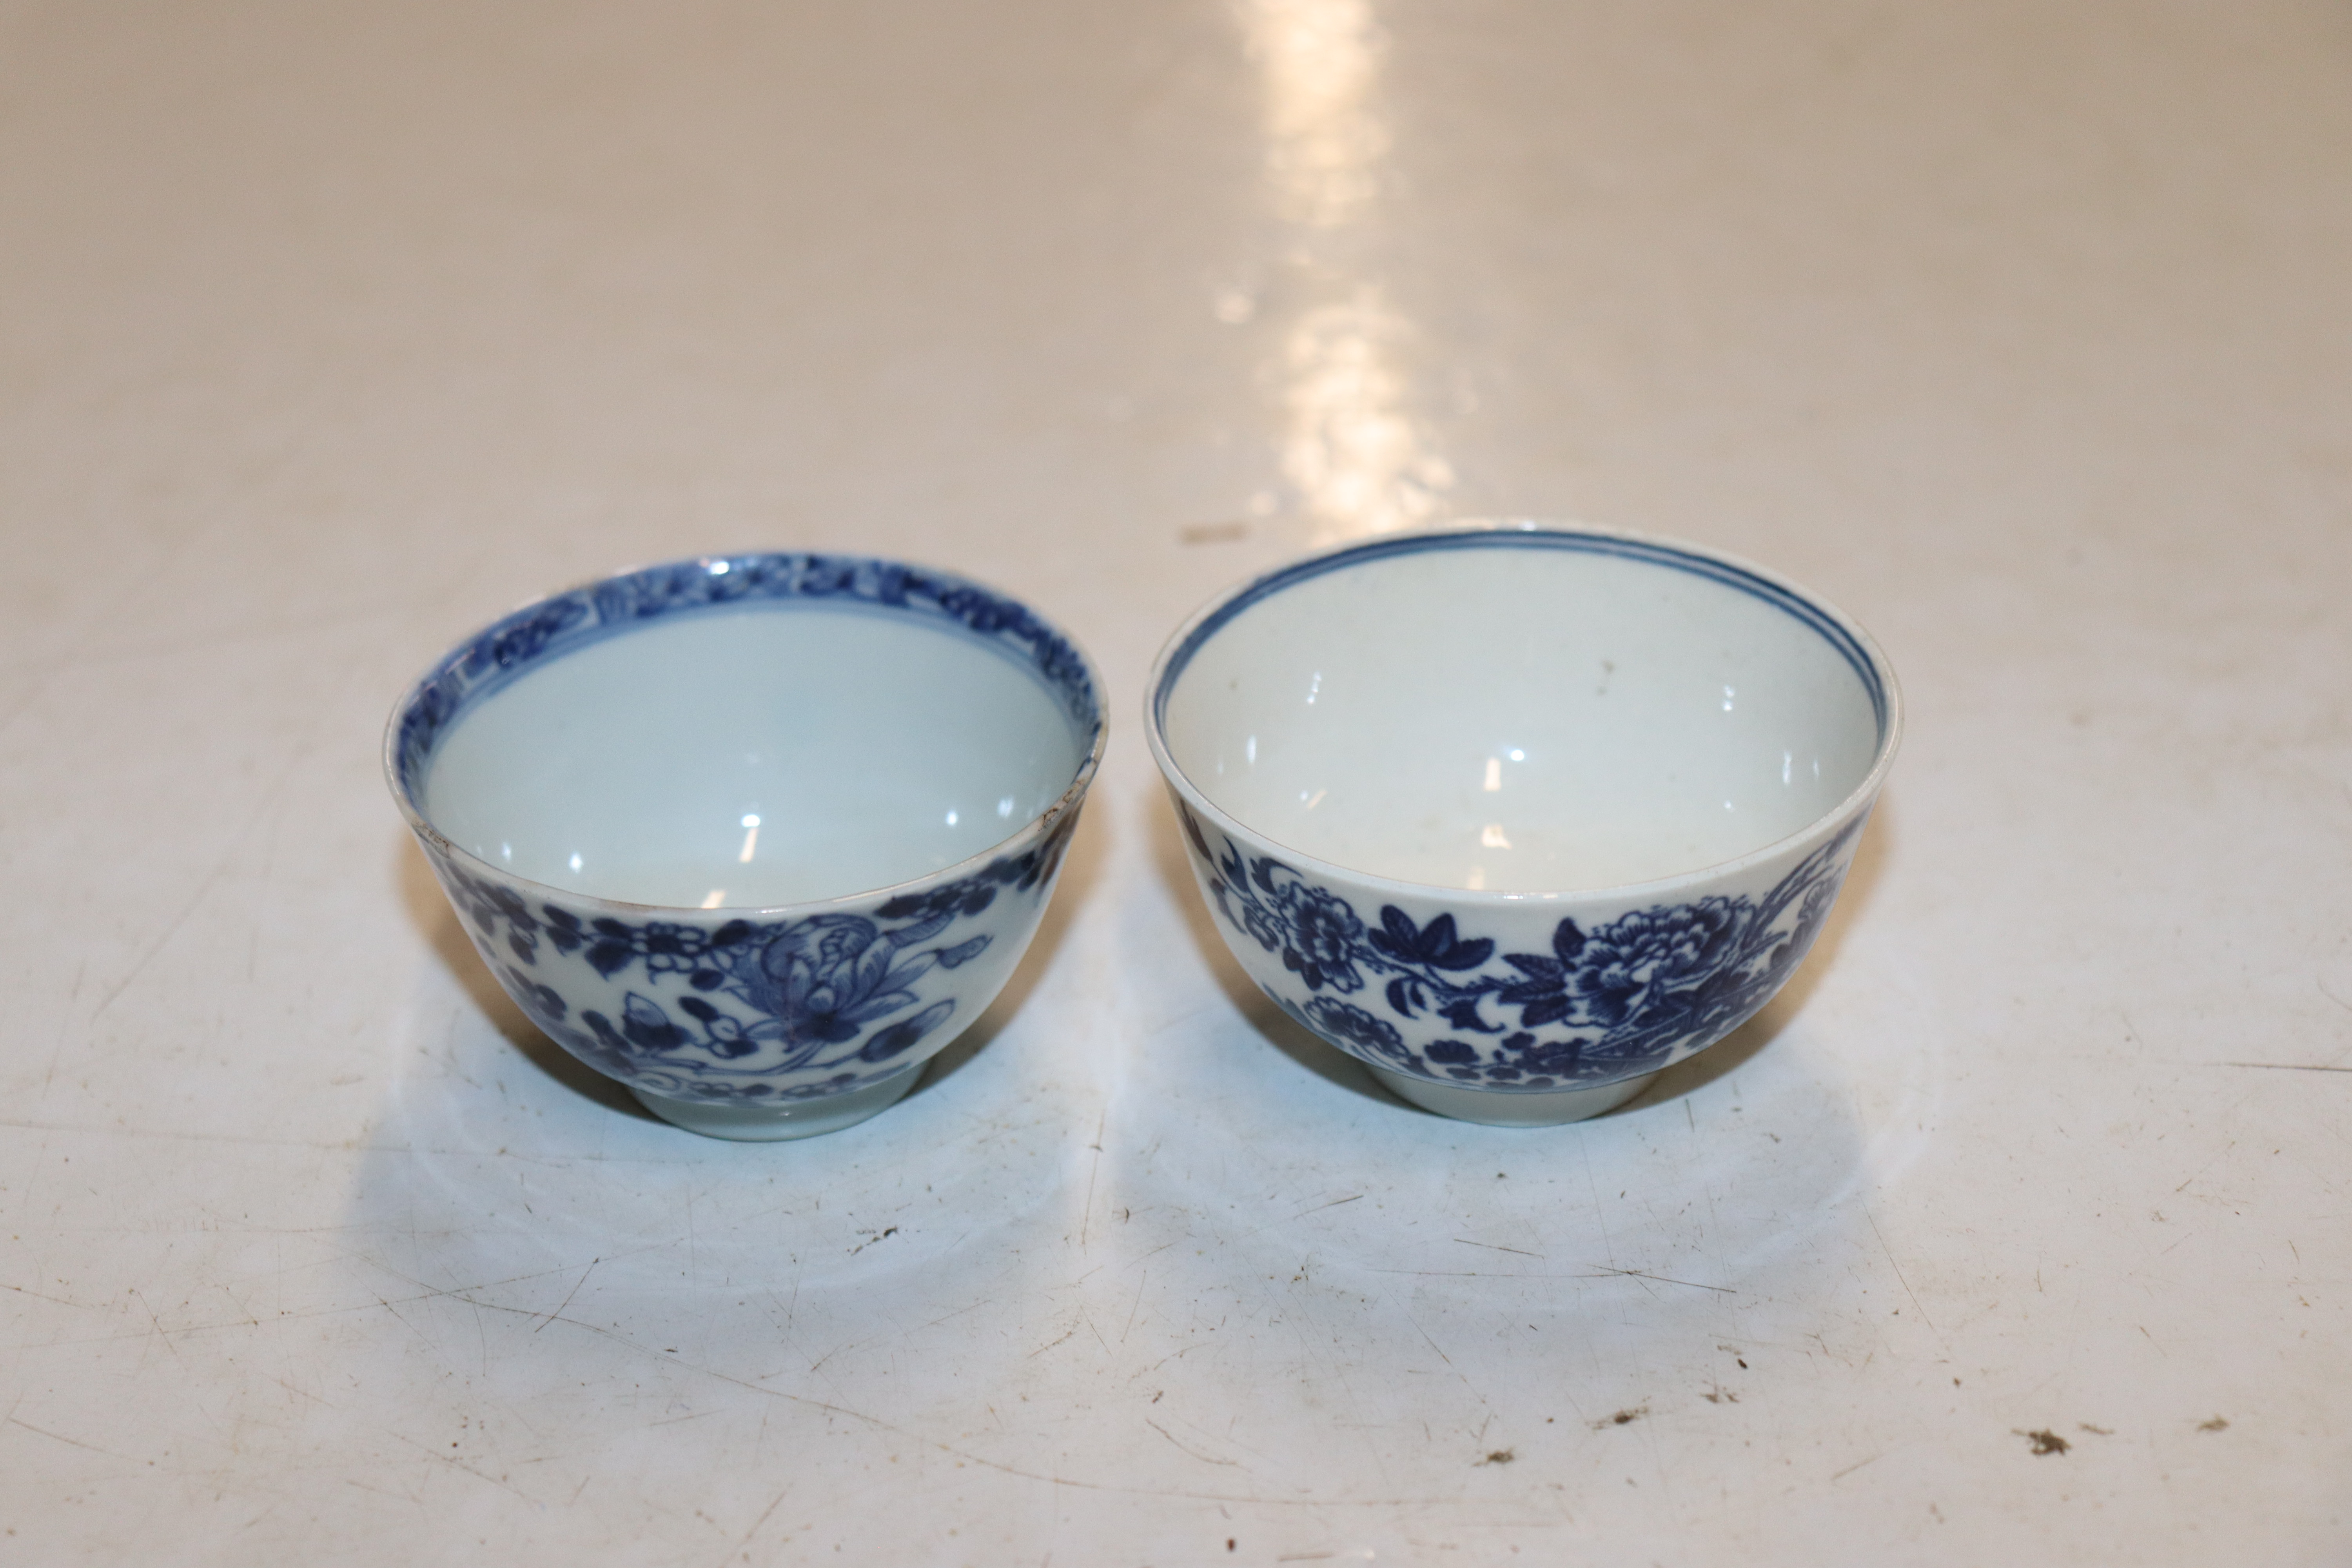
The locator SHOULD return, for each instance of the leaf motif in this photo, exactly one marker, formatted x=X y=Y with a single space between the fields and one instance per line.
x=1435 y=938
x=646 y=1026
x=609 y=958
x=1546 y=1011
x=921 y=930
x=1400 y=999
x=1567 y=941
x=1398 y=936
x=833 y=1028
x=1535 y=966
x=1192 y=832
x=874 y=1007
x=899 y=1037
x=799 y=980
x=1463 y=1014
x=1442 y=951
x=962 y=952
x=914 y=969
x=873 y=963
x=1467 y=954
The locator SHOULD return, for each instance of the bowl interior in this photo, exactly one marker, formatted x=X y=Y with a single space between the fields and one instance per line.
x=753 y=754
x=1522 y=712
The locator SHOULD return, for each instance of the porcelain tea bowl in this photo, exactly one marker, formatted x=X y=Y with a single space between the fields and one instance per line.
x=1521 y=814
x=755 y=835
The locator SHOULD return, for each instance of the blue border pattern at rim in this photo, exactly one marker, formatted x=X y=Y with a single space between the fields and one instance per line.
x=566 y=622
x=1778 y=597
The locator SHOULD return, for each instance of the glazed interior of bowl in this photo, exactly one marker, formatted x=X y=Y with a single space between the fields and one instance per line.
x=1521 y=712
x=753 y=755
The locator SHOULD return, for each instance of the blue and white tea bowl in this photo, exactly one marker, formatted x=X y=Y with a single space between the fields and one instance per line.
x=1521 y=814
x=755 y=835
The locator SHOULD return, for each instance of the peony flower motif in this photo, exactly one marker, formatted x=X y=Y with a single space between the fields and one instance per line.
x=1350 y=1024
x=1325 y=929
x=1639 y=963
x=1324 y=932
x=1541 y=1062
x=1315 y=931
x=818 y=981
x=828 y=976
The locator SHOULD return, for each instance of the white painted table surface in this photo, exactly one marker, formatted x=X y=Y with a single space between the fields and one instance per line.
x=2023 y=331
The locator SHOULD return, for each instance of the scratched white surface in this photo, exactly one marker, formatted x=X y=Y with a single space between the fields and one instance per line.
x=2022 y=330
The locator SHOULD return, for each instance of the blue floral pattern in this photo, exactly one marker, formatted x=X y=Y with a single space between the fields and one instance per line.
x=745 y=1009
x=714 y=1008
x=1619 y=1000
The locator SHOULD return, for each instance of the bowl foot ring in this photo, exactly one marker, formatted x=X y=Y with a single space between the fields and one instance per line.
x=1511 y=1108
x=756 y=1123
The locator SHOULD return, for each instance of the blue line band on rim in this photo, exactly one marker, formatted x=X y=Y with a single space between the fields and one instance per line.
x=1788 y=602
x=563 y=623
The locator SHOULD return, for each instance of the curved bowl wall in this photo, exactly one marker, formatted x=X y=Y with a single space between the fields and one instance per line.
x=1522 y=1007
x=751 y=1022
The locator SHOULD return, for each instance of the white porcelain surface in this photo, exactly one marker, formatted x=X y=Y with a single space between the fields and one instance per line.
x=2013 y=328
x=1520 y=719
x=752 y=759
x=1491 y=1110
x=783 y=1124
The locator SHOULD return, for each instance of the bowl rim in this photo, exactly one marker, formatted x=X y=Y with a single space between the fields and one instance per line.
x=1489 y=533
x=1036 y=827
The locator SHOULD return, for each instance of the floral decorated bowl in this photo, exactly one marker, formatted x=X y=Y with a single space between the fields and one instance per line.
x=1521 y=814
x=755 y=835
